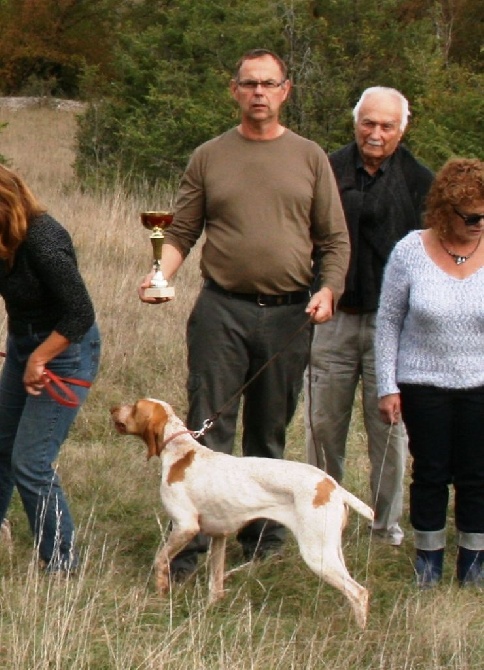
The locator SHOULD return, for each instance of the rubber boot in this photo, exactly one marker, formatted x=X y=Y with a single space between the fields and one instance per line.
x=428 y=567
x=469 y=567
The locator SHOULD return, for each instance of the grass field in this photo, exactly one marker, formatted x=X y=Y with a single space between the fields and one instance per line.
x=277 y=615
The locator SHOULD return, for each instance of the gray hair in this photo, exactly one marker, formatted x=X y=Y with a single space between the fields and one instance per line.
x=388 y=91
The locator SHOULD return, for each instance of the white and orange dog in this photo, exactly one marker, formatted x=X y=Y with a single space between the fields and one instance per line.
x=202 y=490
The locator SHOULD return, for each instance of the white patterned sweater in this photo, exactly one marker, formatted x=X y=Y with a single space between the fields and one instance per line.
x=430 y=326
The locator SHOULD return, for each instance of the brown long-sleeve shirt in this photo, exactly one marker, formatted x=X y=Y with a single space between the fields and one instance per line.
x=264 y=206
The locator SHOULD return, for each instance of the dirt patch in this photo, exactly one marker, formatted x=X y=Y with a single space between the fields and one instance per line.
x=16 y=103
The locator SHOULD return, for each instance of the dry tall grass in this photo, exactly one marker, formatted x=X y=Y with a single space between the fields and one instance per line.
x=277 y=615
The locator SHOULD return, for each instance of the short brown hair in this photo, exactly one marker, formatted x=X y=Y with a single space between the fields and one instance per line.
x=260 y=53
x=459 y=182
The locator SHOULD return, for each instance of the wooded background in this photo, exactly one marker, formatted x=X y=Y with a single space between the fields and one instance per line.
x=155 y=72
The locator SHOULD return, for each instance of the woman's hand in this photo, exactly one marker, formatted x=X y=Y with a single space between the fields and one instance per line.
x=34 y=377
x=389 y=406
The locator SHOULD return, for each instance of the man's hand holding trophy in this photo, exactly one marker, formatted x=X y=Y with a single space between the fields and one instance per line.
x=156 y=222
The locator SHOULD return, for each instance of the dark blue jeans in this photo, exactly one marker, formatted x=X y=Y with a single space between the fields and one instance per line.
x=446 y=440
x=32 y=430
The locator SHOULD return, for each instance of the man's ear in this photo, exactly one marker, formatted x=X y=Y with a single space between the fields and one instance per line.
x=287 y=87
x=233 y=89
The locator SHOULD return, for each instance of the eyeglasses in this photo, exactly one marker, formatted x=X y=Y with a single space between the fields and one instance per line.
x=253 y=84
x=469 y=219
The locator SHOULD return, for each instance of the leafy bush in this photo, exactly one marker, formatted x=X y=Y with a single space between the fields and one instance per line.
x=169 y=92
x=171 y=88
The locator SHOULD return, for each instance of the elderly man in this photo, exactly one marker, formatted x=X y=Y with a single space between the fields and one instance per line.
x=266 y=199
x=382 y=189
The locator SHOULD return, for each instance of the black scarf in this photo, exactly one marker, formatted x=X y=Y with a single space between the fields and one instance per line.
x=377 y=218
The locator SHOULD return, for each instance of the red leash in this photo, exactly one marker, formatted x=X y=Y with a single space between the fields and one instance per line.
x=57 y=389
x=54 y=384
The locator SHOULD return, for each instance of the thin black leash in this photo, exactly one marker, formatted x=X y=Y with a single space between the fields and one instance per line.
x=318 y=450
x=208 y=423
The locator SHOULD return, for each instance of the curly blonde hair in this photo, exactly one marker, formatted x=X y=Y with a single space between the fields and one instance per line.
x=17 y=206
x=457 y=184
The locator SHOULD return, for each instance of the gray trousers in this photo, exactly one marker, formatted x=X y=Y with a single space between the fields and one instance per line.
x=229 y=340
x=342 y=354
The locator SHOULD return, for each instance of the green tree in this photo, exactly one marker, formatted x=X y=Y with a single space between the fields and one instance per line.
x=45 y=44
x=171 y=87
x=169 y=92
x=458 y=26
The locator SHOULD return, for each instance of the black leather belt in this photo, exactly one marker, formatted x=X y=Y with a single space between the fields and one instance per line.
x=261 y=299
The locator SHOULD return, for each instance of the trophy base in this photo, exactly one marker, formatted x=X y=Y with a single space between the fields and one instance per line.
x=165 y=292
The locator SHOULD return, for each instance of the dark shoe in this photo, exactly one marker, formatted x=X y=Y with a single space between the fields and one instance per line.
x=428 y=567
x=470 y=567
x=183 y=567
x=181 y=574
x=260 y=552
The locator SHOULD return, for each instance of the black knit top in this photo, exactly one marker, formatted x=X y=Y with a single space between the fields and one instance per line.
x=44 y=290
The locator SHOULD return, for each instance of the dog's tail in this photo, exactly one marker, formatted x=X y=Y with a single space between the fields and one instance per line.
x=357 y=504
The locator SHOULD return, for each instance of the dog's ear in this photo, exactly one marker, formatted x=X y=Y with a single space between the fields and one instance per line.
x=150 y=438
x=154 y=430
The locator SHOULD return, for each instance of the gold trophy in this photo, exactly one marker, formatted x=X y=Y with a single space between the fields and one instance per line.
x=157 y=222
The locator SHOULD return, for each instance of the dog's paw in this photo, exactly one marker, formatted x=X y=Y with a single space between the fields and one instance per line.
x=162 y=585
x=216 y=596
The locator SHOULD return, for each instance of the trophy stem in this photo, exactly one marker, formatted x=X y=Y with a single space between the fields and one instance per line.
x=157 y=238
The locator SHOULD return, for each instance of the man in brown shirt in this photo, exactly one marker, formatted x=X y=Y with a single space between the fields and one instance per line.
x=267 y=200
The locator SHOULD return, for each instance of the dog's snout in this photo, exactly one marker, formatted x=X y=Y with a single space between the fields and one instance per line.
x=119 y=425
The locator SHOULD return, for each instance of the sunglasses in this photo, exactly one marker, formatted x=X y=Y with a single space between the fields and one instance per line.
x=469 y=219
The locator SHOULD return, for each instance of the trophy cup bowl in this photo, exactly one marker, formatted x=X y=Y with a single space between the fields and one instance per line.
x=156 y=222
x=153 y=220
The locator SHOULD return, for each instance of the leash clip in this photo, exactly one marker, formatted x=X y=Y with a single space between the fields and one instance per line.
x=206 y=425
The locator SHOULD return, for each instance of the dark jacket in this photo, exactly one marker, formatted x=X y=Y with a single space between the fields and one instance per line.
x=378 y=217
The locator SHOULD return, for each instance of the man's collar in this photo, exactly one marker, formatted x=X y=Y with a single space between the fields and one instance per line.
x=382 y=167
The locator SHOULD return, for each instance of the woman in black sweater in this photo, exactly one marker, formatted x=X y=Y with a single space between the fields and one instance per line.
x=51 y=329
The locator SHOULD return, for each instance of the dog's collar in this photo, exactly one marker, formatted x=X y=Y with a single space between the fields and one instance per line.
x=172 y=437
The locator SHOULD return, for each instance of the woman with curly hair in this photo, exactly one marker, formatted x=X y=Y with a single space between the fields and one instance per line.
x=51 y=327
x=430 y=367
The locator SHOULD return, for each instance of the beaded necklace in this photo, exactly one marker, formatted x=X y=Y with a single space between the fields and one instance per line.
x=459 y=258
